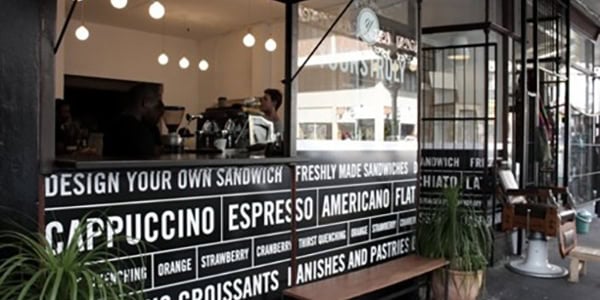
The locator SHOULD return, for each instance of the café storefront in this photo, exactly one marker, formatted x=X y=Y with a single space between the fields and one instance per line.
x=337 y=194
x=243 y=223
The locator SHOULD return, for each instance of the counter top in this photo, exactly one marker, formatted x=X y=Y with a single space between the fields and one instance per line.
x=172 y=160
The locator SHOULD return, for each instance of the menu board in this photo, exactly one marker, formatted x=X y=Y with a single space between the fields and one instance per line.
x=225 y=233
x=466 y=169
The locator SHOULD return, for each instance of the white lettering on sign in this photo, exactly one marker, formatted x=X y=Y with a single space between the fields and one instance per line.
x=438 y=181
x=472 y=183
x=390 y=249
x=306 y=242
x=273 y=248
x=350 y=171
x=248 y=287
x=194 y=178
x=306 y=173
x=358 y=258
x=320 y=268
x=408 y=221
x=222 y=258
x=182 y=223
x=380 y=69
x=385 y=226
x=163 y=297
x=359 y=231
x=440 y=162
x=175 y=267
x=135 y=274
x=249 y=176
x=330 y=237
x=405 y=196
x=149 y=181
x=476 y=162
x=268 y=213
x=80 y=184
x=385 y=169
x=355 y=202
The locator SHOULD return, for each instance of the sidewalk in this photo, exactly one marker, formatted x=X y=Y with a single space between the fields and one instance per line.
x=505 y=285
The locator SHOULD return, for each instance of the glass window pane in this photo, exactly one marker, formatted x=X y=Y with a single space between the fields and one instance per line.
x=360 y=86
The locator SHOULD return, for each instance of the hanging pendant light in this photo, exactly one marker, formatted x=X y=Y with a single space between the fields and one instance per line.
x=163 y=59
x=249 y=40
x=156 y=10
x=184 y=63
x=118 y=4
x=271 y=45
x=82 y=33
x=203 y=65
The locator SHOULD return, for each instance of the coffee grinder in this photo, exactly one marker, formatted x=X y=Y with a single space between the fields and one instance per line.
x=172 y=142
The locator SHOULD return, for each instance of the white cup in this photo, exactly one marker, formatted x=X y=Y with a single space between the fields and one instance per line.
x=220 y=144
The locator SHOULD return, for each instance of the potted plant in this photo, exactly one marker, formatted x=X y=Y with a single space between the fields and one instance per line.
x=461 y=236
x=34 y=270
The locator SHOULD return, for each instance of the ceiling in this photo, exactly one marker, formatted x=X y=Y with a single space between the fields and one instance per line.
x=198 y=19
x=194 y=19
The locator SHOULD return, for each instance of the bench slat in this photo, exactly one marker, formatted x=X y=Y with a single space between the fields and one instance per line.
x=371 y=279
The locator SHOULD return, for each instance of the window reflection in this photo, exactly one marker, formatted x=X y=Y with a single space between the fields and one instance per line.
x=584 y=160
x=354 y=91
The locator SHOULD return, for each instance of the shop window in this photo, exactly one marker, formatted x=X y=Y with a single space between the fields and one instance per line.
x=584 y=159
x=363 y=92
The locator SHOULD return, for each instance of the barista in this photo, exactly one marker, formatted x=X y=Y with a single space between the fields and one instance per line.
x=269 y=104
x=135 y=133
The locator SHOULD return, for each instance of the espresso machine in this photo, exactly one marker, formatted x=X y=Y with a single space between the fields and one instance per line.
x=173 y=142
x=235 y=128
x=219 y=129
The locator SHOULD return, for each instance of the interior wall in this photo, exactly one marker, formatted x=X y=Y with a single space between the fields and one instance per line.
x=119 y=53
x=237 y=71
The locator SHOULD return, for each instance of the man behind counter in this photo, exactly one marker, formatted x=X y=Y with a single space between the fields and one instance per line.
x=135 y=133
x=269 y=104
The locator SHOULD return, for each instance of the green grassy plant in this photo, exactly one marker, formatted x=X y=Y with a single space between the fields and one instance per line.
x=36 y=271
x=456 y=233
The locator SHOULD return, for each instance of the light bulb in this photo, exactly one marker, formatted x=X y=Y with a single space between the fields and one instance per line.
x=156 y=10
x=270 y=45
x=203 y=65
x=118 y=4
x=184 y=63
x=163 y=59
x=82 y=33
x=249 y=40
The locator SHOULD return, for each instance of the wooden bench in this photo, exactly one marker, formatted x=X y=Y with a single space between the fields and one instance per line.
x=368 y=280
x=579 y=258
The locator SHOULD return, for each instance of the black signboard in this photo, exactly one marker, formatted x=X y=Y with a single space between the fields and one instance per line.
x=466 y=169
x=224 y=233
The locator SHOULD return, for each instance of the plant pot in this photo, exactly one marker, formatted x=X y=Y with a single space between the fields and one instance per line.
x=461 y=285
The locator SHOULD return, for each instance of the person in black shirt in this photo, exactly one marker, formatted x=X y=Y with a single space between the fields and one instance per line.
x=135 y=134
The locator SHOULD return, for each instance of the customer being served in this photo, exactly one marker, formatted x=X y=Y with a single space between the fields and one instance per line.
x=135 y=133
